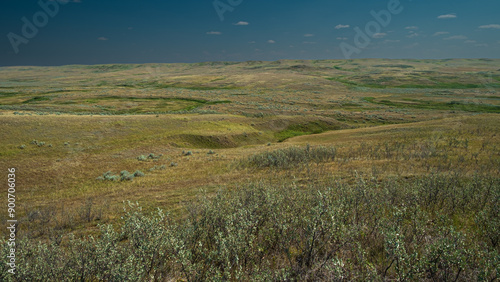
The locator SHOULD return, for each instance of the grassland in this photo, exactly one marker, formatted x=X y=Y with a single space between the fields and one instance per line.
x=405 y=140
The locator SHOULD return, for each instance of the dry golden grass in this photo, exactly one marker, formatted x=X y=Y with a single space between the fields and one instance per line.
x=266 y=99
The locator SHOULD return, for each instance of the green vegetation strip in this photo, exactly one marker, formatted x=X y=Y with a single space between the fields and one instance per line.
x=160 y=98
x=431 y=105
x=36 y=99
x=439 y=85
x=305 y=129
x=8 y=94
x=156 y=108
x=175 y=85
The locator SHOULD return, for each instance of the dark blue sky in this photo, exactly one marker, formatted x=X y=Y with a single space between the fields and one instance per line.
x=160 y=31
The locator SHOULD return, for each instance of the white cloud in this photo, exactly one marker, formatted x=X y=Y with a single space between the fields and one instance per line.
x=456 y=37
x=447 y=16
x=411 y=35
x=391 y=41
x=412 y=27
x=251 y=42
x=309 y=42
x=494 y=26
x=440 y=33
x=271 y=41
x=481 y=45
x=470 y=41
x=342 y=38
x=214 y=33
x=308 y=35
x=241 y=23
x=340 y=26
x=103 y=38
x=379 y=35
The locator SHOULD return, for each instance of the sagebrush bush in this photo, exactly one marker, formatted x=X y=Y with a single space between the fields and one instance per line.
x=158 y=167
x=108 y=176
x=291 y=157
x=154 y=157
x=138 y=173
x=151 y=156
x=125 y=175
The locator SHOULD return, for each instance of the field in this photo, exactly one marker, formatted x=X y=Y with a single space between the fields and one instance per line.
x=365 y=169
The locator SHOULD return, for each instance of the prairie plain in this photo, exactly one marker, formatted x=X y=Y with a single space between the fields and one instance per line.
x=86 y=139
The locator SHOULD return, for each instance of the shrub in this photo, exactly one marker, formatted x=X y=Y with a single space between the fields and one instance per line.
x=291 y=157
x=156 y=167
x=142 y=158
x=138 y=173
x=108 y=176
x=85 y=211
x=125 y=175
x=154 y=157
x=149 y=157
x=114 y=178
x=363 y=231
x=38 y=143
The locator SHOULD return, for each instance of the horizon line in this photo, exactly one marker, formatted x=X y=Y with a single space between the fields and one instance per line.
x=306 y=60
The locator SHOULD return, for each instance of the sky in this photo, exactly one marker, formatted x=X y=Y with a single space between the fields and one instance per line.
x=62 y=32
